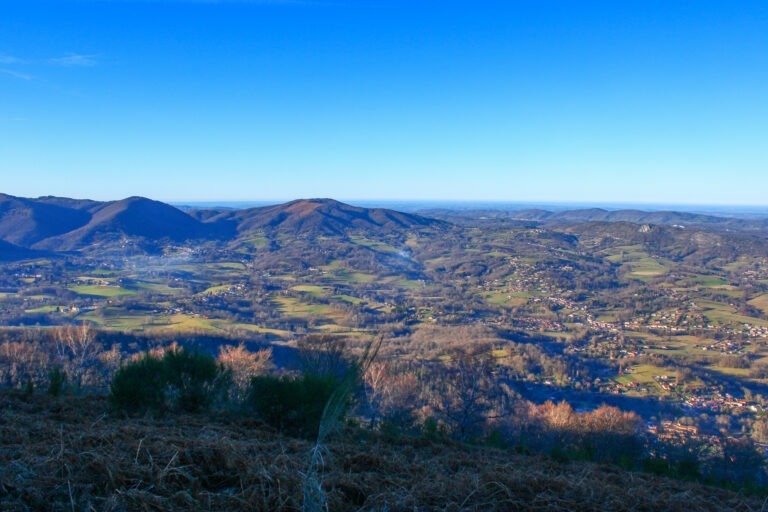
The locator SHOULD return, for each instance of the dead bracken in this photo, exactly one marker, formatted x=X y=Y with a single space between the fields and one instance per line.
x=71 y=453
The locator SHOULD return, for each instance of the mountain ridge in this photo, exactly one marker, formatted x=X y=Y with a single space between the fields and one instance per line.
x=131 y=217
x=326 y=216
x=62 y=224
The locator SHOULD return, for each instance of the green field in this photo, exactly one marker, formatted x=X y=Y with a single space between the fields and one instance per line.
x=409 y=284
x=162 y=289
x=624 y=253
x=761 y=303
x=682 y=346
x=646 y=268
x=225 y=266
x=256 y=242
x=313 y=290
x=360 y=277
x=721 y=313
x=710 y=282
x=348 y=298
x=115 y=318
x=731 y=372
x=292 y=307
x=507 y=300
x=636 y=262
x=373 y=244
x=213 y=290
x=101 y=291
x=336 y=271
x=324 y=291
x=42 y=309
x=643 y=374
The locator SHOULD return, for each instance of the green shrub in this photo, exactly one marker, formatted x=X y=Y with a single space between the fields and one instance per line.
x=57 y=379
x=180 y=380
x=139 y=385
x=191 y=377
x=293 y=405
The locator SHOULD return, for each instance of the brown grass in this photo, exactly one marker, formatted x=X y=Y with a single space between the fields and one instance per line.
x=71 y=454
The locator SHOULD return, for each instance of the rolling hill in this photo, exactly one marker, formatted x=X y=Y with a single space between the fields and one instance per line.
x=134 y=217
x=26 y=222
x=63 y=224
x=667 y=218
x=320 y=216
x=695 y=245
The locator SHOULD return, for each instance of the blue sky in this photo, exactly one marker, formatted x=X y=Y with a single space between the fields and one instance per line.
x=530 y=100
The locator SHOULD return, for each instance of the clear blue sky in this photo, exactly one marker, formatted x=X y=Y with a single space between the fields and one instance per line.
x=531 y=100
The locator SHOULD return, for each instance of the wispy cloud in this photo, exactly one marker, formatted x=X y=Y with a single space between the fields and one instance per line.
x=7 y=59
x=17 y=68
x=73 y=60
x=15 y=74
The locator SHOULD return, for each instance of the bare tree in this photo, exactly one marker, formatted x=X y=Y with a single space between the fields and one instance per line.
x=77 y=351
x=245 y=364
x=323 y=354
x=22 y=362
x=373 y=384
x=466 y=395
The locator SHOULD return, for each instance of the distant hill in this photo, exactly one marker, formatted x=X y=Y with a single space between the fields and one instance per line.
x=637 y=217
x=64 y=224
x=25 y=222
x=668 y=218
x=320 y=216
x=76 y=204
x=134 y=217
x=695 y=245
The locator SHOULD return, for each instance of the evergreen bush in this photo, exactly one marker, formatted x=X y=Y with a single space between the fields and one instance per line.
x=293 y=405
x=57 y=379
x=179 y=380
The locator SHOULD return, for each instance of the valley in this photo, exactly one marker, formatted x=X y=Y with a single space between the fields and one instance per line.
x=663 y=320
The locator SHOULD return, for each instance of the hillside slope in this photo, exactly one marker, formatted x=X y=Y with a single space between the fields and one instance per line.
x=323 y=217
x=694 y=245
x=71 y=454
x=64 y=224
x=25 y=221
x=134 y=217
x=10 y=252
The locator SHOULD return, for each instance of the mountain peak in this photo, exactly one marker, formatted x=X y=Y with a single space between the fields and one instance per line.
x=63 y=224
x=329 y=217
x=304 y=207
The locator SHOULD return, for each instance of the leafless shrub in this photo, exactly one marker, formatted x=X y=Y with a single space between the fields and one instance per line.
x=23 y=362
x=392 y=390
x=464 y=395
x=78 y=352
x=323 y=354
x=244 y=364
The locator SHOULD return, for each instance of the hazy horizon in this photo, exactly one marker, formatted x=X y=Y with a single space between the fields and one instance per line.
x=413 y=205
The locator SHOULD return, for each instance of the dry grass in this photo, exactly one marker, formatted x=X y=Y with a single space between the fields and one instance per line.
x=70 y=455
